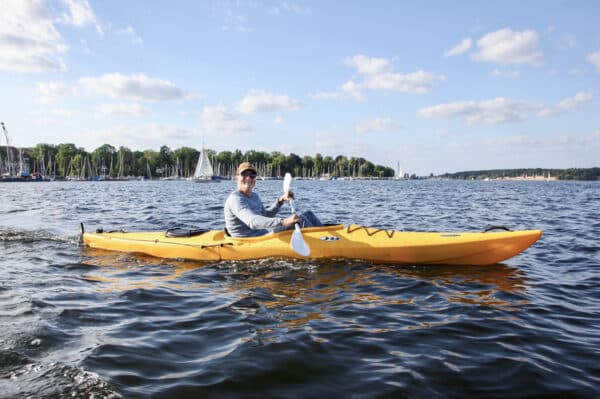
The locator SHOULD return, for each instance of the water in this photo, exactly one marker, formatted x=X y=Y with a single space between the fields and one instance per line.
x=86 y=323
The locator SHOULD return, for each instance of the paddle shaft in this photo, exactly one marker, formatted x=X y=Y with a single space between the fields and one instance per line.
x=297 y=242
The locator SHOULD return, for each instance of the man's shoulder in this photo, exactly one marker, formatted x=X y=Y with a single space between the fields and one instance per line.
x=233 y=197
x=237 y=197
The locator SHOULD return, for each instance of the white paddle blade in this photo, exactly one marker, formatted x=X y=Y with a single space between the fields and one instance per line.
x=287 y=182
x=298 y=244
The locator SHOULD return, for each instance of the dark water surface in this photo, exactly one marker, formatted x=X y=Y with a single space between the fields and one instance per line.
x=83 y=323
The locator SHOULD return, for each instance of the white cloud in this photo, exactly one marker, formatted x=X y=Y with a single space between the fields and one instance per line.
x=566 y=104
x=51 y=91
x=368 y=65
x=278 y=120
x=133 y=87
x=218 y=120
x=29 y=42
x=462 y=47
x=378 y=74
x=130 y=34
x=129 y=109
x=495 y=111
x=377 y=125
x=261 y=101
x=348 y=90
x=289 y=7
x=417 y=82
x=501 y=110
x=352 y=90
x=594 y=58
x=506 y=46
x=79 y=13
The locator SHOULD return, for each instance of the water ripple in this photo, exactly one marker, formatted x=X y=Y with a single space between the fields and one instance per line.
x=88 y=323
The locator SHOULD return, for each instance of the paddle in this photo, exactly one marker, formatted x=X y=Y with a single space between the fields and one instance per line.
x=297 y=243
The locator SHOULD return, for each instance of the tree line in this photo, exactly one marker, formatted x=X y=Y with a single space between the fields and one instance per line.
x=68 y=160
x=560 y=174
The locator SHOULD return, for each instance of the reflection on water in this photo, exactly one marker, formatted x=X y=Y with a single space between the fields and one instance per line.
x=118 y=271
x=315 y=284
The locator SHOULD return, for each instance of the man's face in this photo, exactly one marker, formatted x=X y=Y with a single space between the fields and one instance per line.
x=246 y=181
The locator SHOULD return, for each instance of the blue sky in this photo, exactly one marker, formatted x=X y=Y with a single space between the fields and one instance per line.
x=436 y=86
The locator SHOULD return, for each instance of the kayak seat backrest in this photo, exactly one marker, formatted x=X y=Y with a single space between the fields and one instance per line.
x=179 y=232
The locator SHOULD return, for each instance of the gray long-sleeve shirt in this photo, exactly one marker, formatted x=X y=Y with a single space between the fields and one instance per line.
x=247 y=217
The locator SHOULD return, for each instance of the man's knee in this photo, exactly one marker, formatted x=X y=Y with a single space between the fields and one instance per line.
x=309 y=219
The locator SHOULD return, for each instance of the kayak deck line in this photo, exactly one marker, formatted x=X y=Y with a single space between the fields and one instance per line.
x=158 y=241
x=327 y=242
x=389 y=233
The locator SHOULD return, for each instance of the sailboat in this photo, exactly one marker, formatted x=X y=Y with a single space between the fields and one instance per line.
x=399 y=173
x=204 y=171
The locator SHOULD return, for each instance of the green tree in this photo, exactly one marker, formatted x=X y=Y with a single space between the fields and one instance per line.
x=77 y=165
x=328 y=165
x=367 y=169
x=340 y=165
x=64 y=155
x=165 y=161
x=152 y=161
x=187 y=158
x=225 y=163
x=317 y=164
x=278 y=163
x=293 y=164
x=308 y=165
x=238 y=157
x=103 y=158
x=125 y=162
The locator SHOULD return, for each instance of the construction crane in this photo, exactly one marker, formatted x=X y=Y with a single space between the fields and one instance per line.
x=8 y=152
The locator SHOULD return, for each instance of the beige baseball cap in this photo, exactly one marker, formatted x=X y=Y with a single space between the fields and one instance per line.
x=244 y=166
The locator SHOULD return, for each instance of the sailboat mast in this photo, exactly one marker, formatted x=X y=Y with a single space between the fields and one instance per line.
x=8 y=154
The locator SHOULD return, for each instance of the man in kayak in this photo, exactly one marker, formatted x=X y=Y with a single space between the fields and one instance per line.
x=245 y=215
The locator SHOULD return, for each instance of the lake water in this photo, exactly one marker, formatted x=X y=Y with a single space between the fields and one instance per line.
x=78 y=322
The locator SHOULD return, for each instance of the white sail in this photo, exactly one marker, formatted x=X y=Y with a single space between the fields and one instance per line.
x=203 y=167
x=399 y=172
x=204 y=170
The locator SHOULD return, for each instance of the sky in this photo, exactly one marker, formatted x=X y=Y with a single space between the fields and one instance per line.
x=430 y=86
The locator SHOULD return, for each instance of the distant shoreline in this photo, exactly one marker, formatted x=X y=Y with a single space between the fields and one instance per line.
x=521 y=178
x=528 y=174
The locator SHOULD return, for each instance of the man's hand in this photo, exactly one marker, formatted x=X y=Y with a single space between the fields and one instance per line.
x=290 y=220
x=286 y=197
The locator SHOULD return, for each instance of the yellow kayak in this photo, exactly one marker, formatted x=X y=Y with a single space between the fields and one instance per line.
x=327 y=242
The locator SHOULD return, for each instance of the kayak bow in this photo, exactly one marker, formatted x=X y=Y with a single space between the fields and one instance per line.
x=327 y=242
